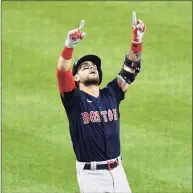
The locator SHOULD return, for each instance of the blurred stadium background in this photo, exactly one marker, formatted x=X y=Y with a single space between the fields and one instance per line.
x=156 y=117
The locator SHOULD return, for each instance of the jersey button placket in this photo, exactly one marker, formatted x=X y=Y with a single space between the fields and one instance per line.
x=99 y=105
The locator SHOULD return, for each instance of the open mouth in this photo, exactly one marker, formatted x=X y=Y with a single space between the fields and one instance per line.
x=92 y=72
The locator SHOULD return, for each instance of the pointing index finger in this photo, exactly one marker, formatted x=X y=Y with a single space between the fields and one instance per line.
x=81 y=25
x=134 y=19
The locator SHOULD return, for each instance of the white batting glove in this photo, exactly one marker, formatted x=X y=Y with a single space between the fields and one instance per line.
x=75 y=36
x=138 y=29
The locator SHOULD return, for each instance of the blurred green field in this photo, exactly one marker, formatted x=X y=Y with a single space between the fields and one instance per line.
x=156 y=122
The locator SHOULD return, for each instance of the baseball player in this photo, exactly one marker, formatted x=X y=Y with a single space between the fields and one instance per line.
x=93 y=113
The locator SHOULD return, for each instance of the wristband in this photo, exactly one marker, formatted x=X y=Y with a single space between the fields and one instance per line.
x=67 y=53
x=136 y=47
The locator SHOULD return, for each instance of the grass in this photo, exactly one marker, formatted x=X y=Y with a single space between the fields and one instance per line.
x=156 y=116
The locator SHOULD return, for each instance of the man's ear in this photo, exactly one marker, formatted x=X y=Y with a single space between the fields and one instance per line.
x=76 y=78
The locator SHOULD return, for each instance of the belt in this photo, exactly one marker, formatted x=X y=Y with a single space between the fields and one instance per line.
x=108 y=166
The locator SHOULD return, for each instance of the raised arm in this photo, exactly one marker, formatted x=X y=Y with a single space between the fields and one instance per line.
x=66 y=82
x=132 y=62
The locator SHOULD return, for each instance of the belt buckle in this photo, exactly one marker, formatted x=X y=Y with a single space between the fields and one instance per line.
x=110 y=162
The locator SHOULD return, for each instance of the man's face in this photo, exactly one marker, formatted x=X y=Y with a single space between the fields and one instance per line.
x=88 y=73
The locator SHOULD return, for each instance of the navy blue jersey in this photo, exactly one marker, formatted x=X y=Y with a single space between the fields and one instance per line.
x=94 y=122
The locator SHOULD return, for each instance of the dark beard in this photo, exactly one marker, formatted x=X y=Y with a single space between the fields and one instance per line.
x=91 y=82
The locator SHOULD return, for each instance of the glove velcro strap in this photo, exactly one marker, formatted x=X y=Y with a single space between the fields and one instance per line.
x=127 y=76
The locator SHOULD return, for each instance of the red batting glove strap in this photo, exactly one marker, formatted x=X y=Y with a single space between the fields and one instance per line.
x=136 y=47
x=67 y=53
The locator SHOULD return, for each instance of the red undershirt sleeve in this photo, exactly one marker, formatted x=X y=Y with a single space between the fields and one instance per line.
x=66 y=81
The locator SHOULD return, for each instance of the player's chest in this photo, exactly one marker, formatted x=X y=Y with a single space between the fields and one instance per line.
x=97 y=110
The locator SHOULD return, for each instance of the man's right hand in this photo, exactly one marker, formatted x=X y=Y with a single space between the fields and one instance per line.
x=75 y=36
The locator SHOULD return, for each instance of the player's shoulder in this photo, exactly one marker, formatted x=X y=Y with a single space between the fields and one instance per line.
x=110 y=85
x=70 y=98
x=112 y=89
x=108 y=89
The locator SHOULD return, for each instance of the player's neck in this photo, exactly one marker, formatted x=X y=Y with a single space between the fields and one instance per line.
x=92 y=90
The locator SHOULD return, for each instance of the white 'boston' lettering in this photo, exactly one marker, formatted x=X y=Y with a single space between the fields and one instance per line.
x=85 y=117
x=110 y=115
x=115 y=114
x=104 y=114
x=94 y=116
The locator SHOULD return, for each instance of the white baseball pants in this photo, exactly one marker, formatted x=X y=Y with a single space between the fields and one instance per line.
x=102 y=181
